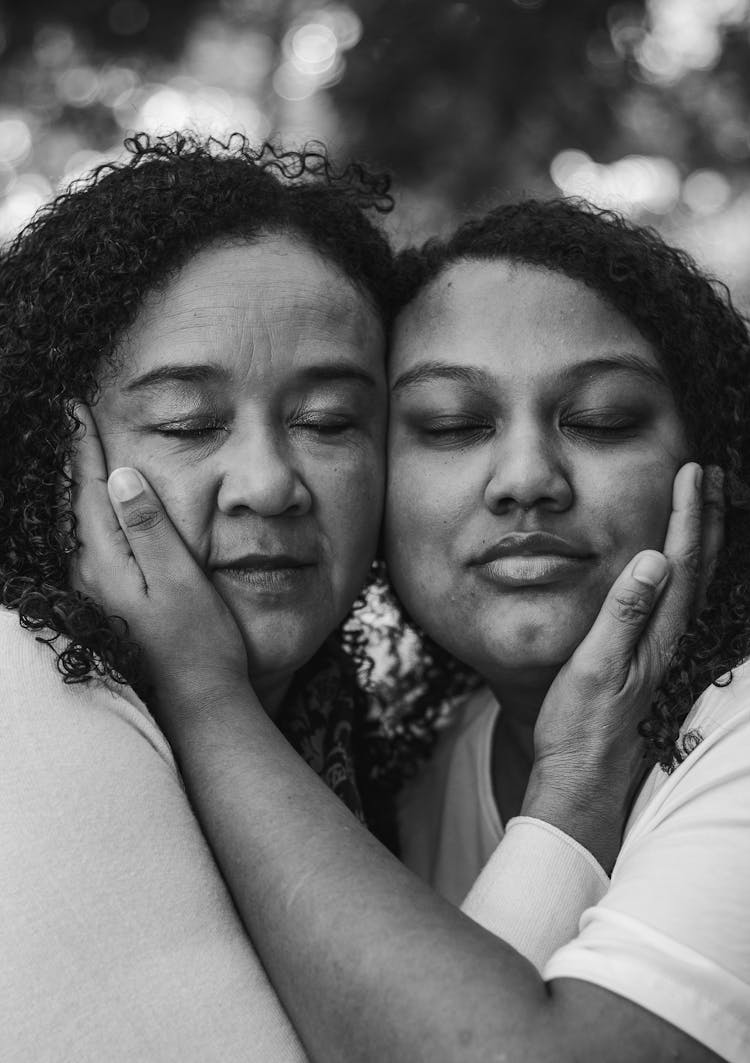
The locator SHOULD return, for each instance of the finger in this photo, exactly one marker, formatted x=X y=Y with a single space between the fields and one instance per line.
x=102 y=545
x=682 y=547
x=683 y=539
x=154 y=541
x=713 y=531
x=607 y=650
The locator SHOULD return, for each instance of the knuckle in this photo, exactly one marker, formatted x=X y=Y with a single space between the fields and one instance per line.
x=662 y=653
x=629 y=605
x=692 y=561
x=689 y=565
x=587 y=679
x=143 y=518
x=713 y=507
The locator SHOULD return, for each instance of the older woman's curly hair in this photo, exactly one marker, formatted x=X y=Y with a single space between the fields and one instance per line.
x=74 y=280
x=703 y=344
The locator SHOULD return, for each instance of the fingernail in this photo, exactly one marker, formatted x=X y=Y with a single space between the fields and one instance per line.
x=125 y=484
x=651 y=569
x=698 y=477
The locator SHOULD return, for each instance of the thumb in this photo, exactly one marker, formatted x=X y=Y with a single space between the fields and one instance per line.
x=608 y=648
x=154 y=541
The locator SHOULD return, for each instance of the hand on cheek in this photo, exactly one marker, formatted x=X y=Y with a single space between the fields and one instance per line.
x=134 y=563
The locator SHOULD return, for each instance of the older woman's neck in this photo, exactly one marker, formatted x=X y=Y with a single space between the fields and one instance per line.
x=271 y=689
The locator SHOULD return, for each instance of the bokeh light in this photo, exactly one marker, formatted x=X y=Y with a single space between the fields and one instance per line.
x=15 y=139
x=632 y=184
x=313 y=48
x=78 y=86
x=53 y=45
x=24 y=195
x=645 y=110
x=685 y=35
x=705 y=192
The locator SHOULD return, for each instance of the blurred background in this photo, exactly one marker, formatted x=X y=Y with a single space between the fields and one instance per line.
x=644 y=106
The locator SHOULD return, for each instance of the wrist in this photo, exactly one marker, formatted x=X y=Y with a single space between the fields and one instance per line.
x=587 y=808
x=187 y=701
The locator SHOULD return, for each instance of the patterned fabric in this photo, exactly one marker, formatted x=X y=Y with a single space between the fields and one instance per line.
x=326 y=718
x=320 y=716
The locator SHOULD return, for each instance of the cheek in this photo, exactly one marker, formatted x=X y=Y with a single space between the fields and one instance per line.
x=185 y=493
x=190 y=503
x=424 y=513
x=427 y=500
x=348 y=494
x=635 y=508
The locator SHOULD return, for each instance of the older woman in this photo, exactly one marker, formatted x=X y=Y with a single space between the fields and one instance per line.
x=225 y=312
x=553 y=371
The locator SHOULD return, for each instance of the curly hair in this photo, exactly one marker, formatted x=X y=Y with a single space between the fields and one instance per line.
x=72 y=283
x=703 y=344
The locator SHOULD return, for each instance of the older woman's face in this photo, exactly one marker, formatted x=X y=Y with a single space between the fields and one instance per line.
x=533 y=445
x=251 y=393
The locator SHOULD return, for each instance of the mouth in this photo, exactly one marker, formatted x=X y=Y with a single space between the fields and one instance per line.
x=267 y=572
x=524 y=559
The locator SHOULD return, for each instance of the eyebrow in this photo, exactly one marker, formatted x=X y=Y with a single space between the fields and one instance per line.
x=428 y=372
x=204 y=373
x=212 y=373
x=480 y=379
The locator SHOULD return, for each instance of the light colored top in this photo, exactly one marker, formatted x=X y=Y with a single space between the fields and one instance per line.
x=118 y=939
x=671 y=932
x=535 y=881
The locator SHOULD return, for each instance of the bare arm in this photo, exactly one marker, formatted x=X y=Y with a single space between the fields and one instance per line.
x=370 y=964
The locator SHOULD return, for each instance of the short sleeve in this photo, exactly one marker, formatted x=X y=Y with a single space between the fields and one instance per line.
x=672 y=932
x=118 y=939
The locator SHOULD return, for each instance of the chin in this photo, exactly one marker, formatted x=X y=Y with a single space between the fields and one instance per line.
x=501 y=645
x=281 y=649
x=268 y=657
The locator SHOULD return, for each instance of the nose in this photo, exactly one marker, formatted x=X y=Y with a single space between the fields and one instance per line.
x=528 y=471
x=259 y=475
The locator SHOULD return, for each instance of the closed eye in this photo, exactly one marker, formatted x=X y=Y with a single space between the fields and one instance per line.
x=190 y=429
x=604 y=428
x=460 y=430
x=324 y=424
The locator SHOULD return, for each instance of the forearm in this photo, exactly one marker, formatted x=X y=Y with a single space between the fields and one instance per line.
x=369 y=962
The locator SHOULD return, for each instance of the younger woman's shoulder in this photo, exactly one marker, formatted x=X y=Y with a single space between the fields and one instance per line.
x=34 y=695
x=724 y=704
x=717 y=768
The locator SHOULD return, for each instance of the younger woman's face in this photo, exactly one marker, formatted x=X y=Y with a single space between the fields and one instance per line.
x=533 y=444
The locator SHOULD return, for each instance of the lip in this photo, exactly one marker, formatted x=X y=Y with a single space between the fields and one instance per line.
x=531 y=544
x=265 y=562
x=274 y=573
x=524 y=559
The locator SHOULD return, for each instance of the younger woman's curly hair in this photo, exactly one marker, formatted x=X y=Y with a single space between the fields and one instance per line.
x=71 y=284
x=703 y=344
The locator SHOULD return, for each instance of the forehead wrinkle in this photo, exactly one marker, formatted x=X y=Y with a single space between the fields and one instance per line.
x=238 y=311
x=184 y=300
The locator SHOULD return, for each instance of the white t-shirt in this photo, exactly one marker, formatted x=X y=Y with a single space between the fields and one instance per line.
x=118 y=940
x=672 y=930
